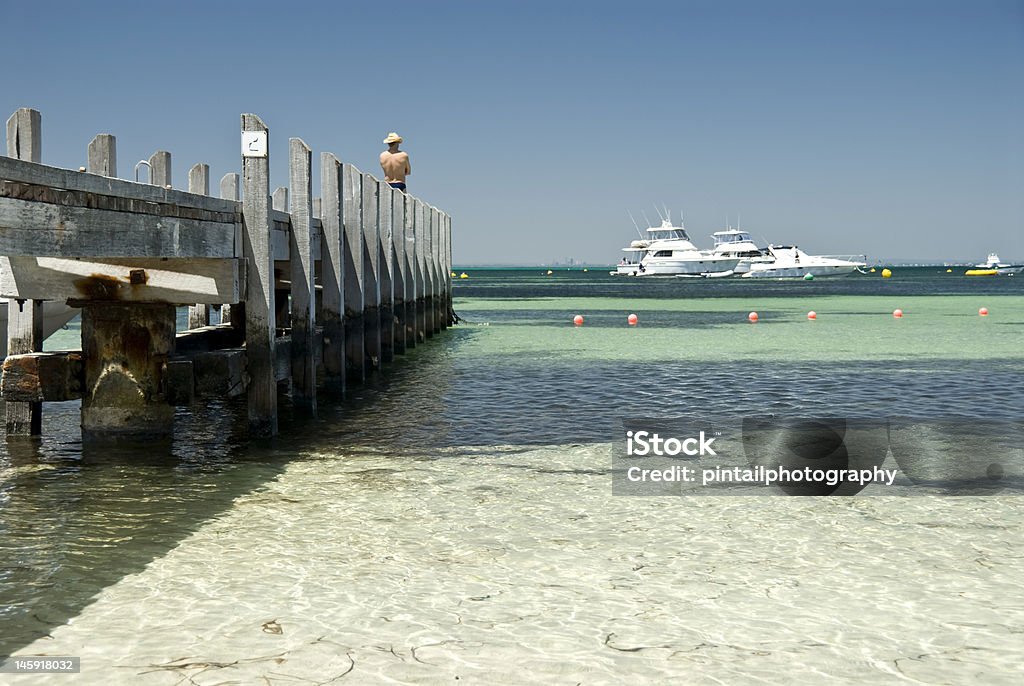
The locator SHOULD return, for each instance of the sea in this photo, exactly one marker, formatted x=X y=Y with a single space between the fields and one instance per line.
x=455 y=520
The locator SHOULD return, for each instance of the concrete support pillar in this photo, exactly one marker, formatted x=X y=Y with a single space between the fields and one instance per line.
x=125 y=348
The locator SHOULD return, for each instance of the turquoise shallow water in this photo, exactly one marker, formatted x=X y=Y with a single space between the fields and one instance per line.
x=454 y=517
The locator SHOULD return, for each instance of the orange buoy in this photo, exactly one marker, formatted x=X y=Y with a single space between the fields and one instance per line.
x=578 y=320
x=812 y=315
x=897 y=313
x=752 y=316
x=632 y=319
x=983 y=312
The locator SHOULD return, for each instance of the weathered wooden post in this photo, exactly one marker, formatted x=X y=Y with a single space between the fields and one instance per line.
x=199 y=183
x=352 y=216
x=385 y=265
x=303 y=287
x=421 y=271
x=24 y=317
x=230 y=184
x=448 y=269
x=260 y=326
x=281 y=199
x=103 y=155
x=428 y=271
x=282 y=315
x=371 y=272
x=24 y=135
x=411 y=268
x=332 y=273
x=435 y=271
x=398 y=266
x=160 y=169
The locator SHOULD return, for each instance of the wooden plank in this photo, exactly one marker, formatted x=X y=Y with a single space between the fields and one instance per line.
x=102 y=154
x=38 y=377
x=35 y=228
x=24 y=135
x=371 y=271
x=215 y=337
x=303 y=369
x=199 y=182
x=259 y=304
x=92 y=185
x=352 y=217
x=332 y=273
x=160 y=169
x=24 y=318
x=180 y=282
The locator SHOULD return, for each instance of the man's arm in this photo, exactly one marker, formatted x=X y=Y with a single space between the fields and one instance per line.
x=408 y=168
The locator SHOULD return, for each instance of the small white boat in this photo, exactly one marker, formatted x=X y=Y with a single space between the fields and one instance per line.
x=55 y=316
x=993 y=266
x=667 y=251
x=789 y=262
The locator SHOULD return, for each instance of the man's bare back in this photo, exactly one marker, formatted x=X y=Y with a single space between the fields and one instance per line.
x=395 y=162
x=395 y=166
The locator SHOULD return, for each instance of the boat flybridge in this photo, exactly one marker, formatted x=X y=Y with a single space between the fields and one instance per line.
x=666 y=250
x=735 y=243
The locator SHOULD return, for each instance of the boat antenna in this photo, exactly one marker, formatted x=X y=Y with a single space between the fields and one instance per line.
x=659 y=213
x=644 y=215
x=639 y=233
x=667 y=213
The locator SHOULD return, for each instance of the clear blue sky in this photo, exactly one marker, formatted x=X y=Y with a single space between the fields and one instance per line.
x=889 y=128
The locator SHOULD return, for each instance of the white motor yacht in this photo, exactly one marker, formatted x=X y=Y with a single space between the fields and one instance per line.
x=55 y=316
x=735 y=243
x=667 y=251
x=993 y=265
x=789 y=261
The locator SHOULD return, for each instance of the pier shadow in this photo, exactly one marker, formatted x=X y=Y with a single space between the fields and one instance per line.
x=78 y=517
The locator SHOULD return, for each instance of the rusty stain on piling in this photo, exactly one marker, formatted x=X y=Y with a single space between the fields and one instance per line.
x=107 y=287
x=99 y=287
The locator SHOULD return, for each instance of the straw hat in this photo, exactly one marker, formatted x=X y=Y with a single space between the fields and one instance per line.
x=392 y=138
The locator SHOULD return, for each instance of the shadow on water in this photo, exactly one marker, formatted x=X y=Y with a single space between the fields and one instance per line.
x=76 y=518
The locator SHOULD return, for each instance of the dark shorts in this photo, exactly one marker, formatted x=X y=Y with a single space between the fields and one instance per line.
x=400 y=186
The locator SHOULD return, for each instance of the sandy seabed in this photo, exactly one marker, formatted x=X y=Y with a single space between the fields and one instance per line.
x=513 y=567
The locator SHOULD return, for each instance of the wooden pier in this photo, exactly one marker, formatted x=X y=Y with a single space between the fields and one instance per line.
x=313 y=293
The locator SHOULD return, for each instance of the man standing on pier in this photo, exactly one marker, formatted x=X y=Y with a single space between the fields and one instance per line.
x=395 y=162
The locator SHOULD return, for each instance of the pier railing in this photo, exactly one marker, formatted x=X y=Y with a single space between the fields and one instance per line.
x=313 y=293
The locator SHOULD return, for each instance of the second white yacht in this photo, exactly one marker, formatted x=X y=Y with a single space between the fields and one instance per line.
x=667 y=251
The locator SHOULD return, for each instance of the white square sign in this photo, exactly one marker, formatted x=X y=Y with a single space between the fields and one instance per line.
x=254 y=144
